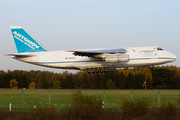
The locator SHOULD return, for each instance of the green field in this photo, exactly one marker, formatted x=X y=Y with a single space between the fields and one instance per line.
x=60 y=98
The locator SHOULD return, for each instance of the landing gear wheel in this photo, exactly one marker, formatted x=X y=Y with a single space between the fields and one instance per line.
x=88 y=70
x=101 y=70
x=93 y=71
x=97 y=71
x=153 y=68
x=105 y=70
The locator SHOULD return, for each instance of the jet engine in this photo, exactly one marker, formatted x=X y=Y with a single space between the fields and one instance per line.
x=117 y=58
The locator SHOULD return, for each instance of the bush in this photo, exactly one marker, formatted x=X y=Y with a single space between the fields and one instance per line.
x=13 y=84
x=167 y=111
x=6 y=115
x=84 y=107
x=136 y=108
x=57 y=85
x=143 y=109
x=46 y=113
x=32 y=85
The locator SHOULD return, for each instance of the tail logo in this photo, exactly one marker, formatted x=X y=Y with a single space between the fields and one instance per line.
x=25 y=40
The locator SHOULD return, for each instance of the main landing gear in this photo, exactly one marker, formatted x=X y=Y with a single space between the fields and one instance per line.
x=96 y=70
x=153 y=68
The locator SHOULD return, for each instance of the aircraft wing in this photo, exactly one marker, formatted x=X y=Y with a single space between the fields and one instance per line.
x=93 y=53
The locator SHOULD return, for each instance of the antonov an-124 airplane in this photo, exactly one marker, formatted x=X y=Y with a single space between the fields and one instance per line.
x=92 y=60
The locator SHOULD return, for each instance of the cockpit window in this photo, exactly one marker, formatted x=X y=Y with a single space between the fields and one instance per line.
x=158 y=48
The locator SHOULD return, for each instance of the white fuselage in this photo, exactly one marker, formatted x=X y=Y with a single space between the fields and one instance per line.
x=138 y=56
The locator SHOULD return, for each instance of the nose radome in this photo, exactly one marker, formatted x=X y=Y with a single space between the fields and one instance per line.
x=174 y=57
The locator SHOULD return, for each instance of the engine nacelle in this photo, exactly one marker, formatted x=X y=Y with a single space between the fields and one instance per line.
x=117 y=58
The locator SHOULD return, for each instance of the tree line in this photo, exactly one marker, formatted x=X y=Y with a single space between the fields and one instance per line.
x=160 y=77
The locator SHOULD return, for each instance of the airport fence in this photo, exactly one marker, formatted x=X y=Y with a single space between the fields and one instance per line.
x=23 y=100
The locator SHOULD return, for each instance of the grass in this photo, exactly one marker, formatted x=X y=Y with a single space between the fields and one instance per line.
x=60 y=98
x=88 y=107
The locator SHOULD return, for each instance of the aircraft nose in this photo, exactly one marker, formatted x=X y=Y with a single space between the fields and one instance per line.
x=174 y=57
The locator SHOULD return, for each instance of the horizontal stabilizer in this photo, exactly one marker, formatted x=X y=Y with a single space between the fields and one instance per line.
x=20 y=55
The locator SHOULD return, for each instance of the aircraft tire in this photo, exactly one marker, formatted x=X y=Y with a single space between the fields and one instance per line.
x=88 y=70
x=105 y=70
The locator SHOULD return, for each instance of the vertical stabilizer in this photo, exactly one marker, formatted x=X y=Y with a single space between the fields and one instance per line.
x=25 y=42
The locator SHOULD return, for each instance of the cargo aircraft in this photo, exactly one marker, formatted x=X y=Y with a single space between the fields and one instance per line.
x=93 y=60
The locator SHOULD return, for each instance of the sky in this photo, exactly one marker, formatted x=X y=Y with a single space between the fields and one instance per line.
x=88 y=24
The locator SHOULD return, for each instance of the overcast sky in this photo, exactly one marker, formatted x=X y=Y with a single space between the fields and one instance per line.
x=86 y=24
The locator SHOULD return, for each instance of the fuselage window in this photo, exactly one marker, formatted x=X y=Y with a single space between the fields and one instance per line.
x=159 y=48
